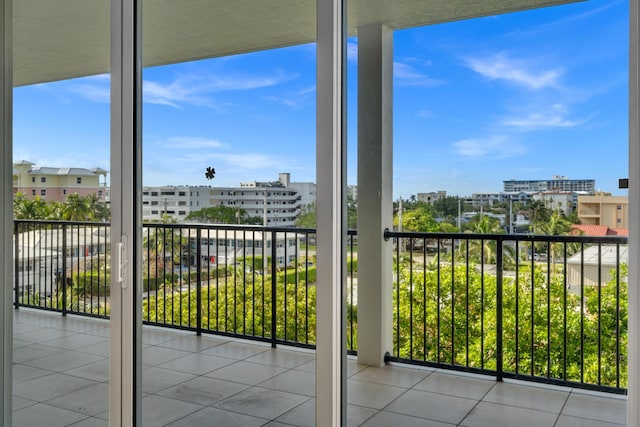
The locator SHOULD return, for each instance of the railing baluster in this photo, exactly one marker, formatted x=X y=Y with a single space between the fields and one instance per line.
x=71 y=248
x=274 y=289
x=198 y=281
x=499 y=350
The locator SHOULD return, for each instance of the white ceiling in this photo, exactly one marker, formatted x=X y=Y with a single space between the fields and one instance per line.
x=61 y=39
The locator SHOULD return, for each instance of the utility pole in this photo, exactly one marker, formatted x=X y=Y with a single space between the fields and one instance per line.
x=510 y=215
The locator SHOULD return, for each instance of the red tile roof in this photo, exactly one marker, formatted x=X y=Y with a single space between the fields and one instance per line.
x=598 y=230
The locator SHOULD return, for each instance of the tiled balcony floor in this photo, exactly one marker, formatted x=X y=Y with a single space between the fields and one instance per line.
x=60 y=378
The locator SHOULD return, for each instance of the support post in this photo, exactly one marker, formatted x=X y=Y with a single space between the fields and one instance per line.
x=125 y=373
x=375 y=193
x=331 y=223
x=633 y=400
x=6 y=209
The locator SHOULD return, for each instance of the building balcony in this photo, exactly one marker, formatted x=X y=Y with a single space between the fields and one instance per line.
x=487 y=329
x=61 y=378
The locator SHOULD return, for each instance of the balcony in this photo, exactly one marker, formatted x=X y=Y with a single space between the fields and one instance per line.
x=61 y=378
x=487 y=329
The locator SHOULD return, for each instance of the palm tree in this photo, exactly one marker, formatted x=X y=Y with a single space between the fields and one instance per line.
x=556 y=225
x=76 y=208
x=485 y=250
x=24 y=208
x=538 y=212
x=98 y=210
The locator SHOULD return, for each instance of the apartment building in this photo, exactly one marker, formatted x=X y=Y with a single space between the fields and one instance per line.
x=556 y=183
x=604 y=209
x=55 y=184
x=273 y=201
x=562 y=201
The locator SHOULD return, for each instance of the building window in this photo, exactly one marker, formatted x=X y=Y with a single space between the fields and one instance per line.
x=154 y=203
x=64 y=191
x=182 y=212
x=33 y=192
x=154 y=212
x=154 y=193
x=182 y=193
x=78 y=180
x=43 y=192
x=99 y=193
x=182 y=203
x=43 y=179
x=33 y=179
x=619 y=220
x=619 y=207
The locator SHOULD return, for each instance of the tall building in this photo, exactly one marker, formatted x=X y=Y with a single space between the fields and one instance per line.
x=55 y=184
x=306 y=190
x=271 y=200
x=556 y=183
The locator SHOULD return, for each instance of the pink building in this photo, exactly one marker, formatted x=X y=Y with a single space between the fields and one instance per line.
x=55 y=184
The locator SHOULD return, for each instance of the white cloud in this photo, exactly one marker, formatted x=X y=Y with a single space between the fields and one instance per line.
x=188 y=142
x=425 y=114
x=496 y=146
x=500 y=67
x=407 y=75
x=295 y=100
x=193 y=89
x=553 y=117
x=251 y=161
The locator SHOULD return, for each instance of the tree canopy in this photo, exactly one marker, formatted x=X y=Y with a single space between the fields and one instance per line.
x=223 y=215
x=75 y=208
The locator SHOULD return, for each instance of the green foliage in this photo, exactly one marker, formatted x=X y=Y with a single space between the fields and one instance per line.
x=447 y=207
x=223 y=215
x=241 y=303
x=439 y=313
x=307 y=218
x=418 y=219
x=75 y=208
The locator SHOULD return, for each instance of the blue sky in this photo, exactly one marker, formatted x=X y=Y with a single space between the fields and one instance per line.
x=519 y=96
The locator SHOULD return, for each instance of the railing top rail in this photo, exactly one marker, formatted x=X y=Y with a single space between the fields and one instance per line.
x=508 y=237
x=387 y=234
x=236 y=227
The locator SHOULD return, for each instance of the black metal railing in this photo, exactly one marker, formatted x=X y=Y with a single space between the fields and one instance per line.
x=542 y=308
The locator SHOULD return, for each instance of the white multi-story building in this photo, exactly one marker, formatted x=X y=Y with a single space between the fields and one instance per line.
x=556 y=183
x=274 y=202
x=175 y=201
x=564 y=201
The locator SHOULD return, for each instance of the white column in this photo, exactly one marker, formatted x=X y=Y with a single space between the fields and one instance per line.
x=633 y=399
x=125 y=393
x=6 y=209
x=331 y=224
x=375 y=192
